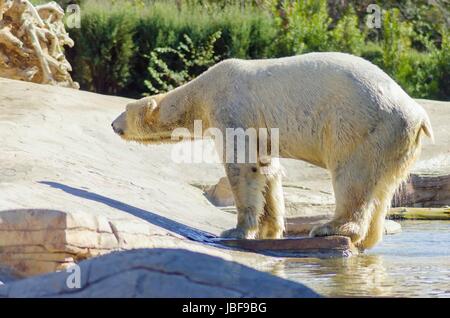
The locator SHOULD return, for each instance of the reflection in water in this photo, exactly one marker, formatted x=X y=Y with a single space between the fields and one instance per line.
x=354 y=276
x=277 y=269
x=415 y=263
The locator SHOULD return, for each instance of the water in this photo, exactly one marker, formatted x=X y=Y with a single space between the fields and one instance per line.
x=414 y=263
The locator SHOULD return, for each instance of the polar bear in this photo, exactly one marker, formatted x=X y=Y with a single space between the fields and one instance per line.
x=334 y=110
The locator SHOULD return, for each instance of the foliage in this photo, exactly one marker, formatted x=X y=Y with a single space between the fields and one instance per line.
x=170 y=68
x=347 y=36
x=302 y=25
x=309 y=22
x=104 y=47
x=396 y=42
x=423 y=74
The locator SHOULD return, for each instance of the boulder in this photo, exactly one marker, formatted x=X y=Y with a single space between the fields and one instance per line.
x=424 y=191
x=169 y=273
x=392 y=227
x=220 y=194
x=303 y=225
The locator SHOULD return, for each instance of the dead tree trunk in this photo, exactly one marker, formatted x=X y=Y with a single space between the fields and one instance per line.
x=31 y=43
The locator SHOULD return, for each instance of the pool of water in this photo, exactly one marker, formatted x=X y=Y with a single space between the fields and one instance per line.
x=414 y=263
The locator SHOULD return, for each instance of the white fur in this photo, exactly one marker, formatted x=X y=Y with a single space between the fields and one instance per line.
x=334 y=110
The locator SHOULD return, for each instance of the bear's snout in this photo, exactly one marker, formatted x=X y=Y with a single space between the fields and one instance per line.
x=118 y=125
x=117 y=130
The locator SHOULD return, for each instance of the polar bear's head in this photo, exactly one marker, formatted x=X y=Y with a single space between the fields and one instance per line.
x=140 y=122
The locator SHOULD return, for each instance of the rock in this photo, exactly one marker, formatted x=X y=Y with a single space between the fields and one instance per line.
x=392 y=227
x=70 y=189
x=169 y=273
x=303 y=225
x=435 y=157
x=308 y=202
x=39 y=241
x=220 y=194
x=423 y=191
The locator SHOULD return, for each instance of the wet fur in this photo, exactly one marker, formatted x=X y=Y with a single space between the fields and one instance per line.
x=334 y=110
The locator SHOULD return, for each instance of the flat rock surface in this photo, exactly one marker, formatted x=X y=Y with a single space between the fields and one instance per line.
x=168 y=273
x=58 y=152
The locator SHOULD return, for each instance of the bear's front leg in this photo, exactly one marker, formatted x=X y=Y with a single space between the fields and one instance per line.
x=247 y=185
x=272 y=221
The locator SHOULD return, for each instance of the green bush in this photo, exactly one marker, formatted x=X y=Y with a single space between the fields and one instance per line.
x=346 y=36
x=423 y=74
x=373 y=52
x=396 y=43
x=170 y=68
x=303 y=26
x=442 y=73
x=104 y=47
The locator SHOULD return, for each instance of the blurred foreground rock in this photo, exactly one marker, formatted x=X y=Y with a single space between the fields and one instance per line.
x=169 y=273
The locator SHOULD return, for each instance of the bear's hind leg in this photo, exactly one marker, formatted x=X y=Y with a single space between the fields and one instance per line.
x=376 y=227
x=395 y=172
x=354 y=185
x=271 y=224
x=248 y=186
x=347 y=223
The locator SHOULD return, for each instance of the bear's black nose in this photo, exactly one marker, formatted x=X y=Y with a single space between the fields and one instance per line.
x=117 y=130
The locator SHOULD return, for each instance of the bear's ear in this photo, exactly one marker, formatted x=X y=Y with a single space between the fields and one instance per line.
x=152 y=111
x=152 y=104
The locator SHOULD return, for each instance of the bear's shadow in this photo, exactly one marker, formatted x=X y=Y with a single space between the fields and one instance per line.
x=151 y=217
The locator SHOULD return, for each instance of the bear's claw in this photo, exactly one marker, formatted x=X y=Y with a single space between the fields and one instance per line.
x=349 y=229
